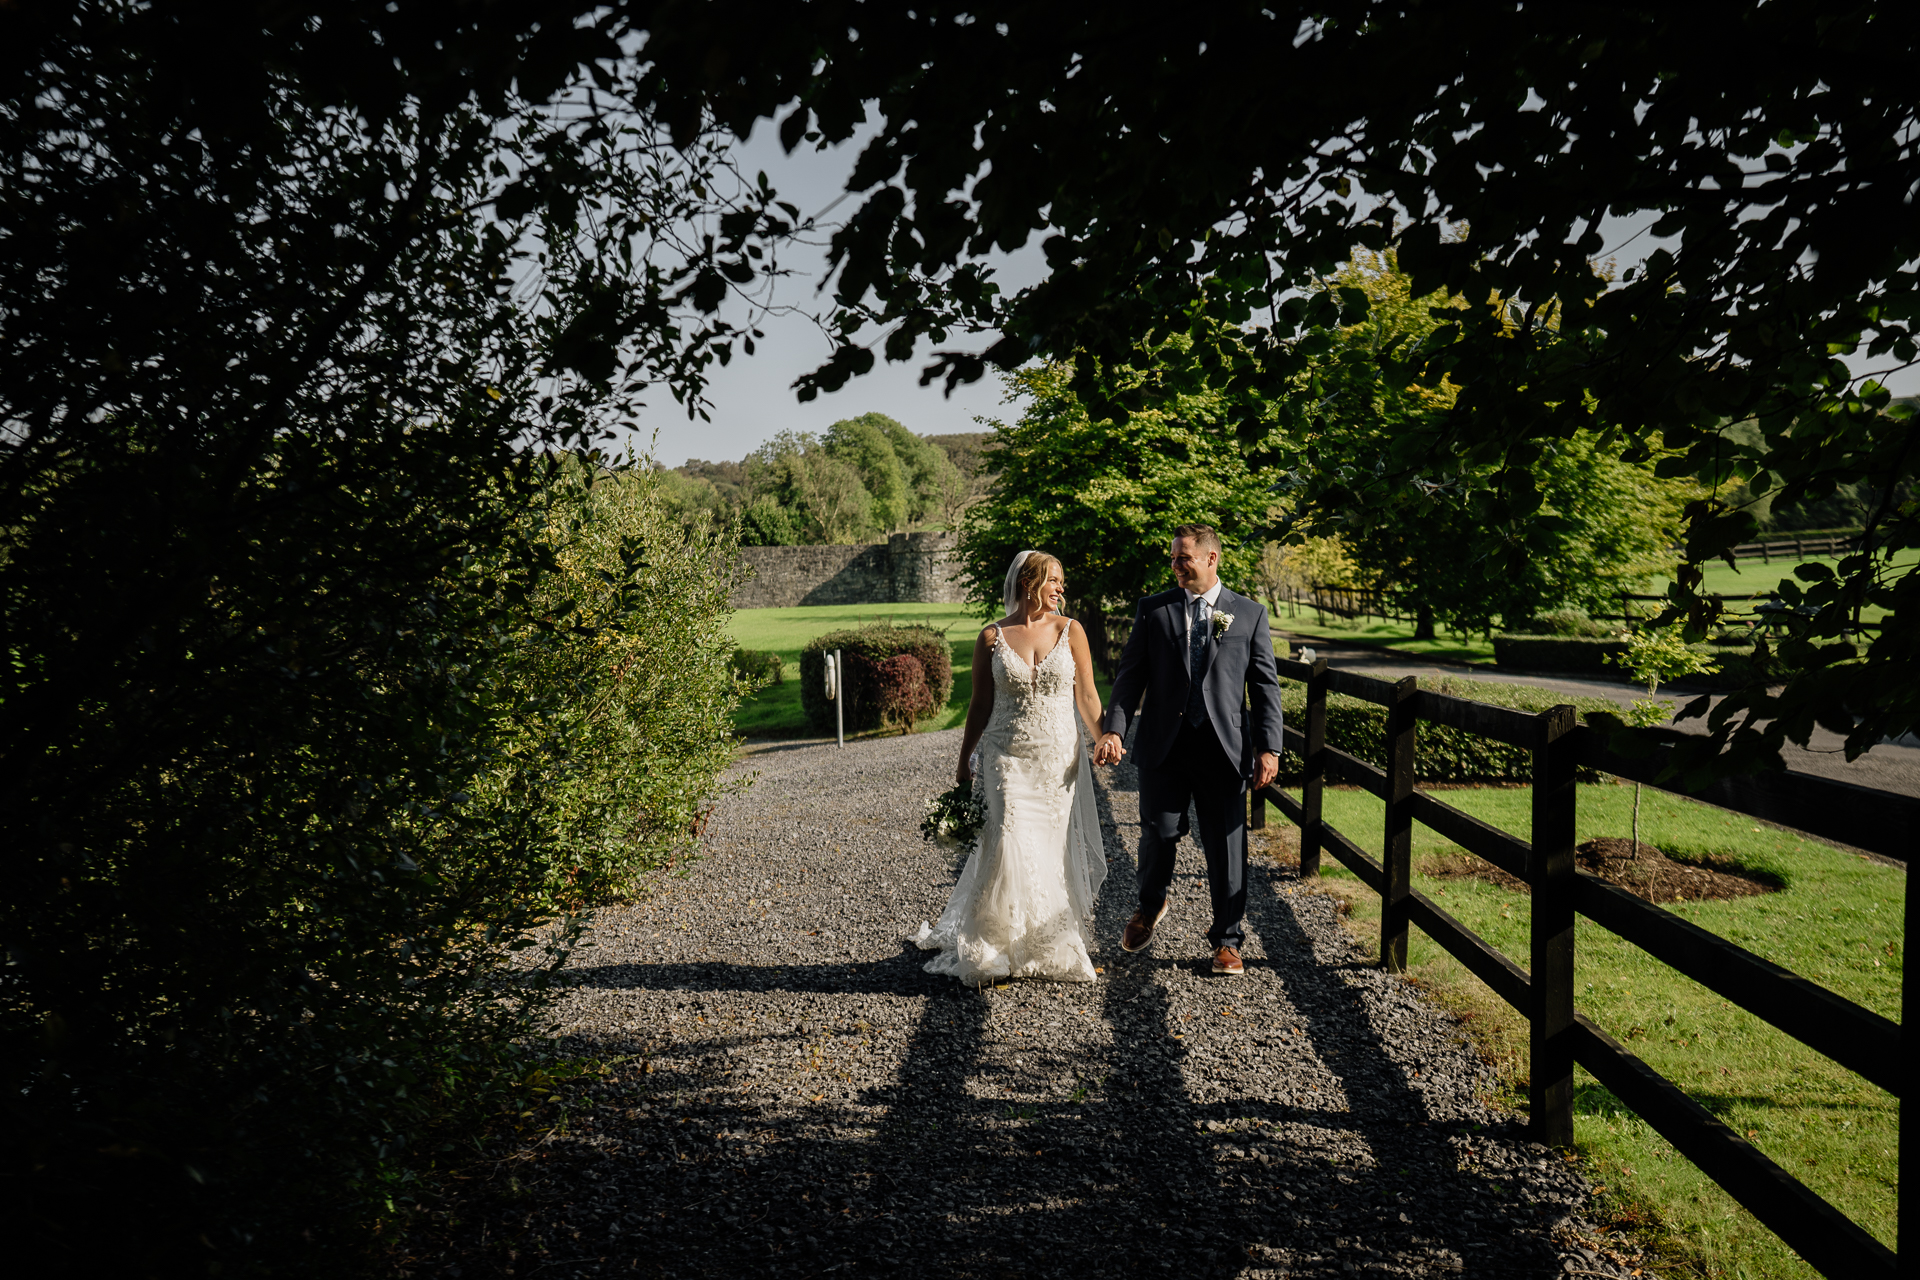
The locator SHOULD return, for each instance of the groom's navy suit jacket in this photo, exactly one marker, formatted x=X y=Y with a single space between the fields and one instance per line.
x=1239 y=684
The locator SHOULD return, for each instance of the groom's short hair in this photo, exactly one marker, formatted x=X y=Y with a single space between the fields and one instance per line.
x=1201 y=535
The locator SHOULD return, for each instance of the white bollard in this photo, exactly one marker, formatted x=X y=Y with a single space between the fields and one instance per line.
x=833 y=682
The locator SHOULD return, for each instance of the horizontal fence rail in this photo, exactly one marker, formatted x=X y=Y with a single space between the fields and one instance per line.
x=1854 y=1037
x=1350 y=602
x=1768 y=550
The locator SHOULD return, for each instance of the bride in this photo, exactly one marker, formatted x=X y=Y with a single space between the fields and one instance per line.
x=1026 y=895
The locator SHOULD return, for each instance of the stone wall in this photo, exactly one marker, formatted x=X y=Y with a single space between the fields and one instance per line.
x=908 y=568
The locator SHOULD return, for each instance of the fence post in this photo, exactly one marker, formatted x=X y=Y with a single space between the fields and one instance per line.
x=1312 y=787
x=1398 y=849
x=1550 y=873
x=1907 y=1164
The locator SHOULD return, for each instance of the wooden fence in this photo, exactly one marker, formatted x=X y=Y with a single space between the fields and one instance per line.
x=1350 y=602
x=1857 y=1038
x=1791 y=547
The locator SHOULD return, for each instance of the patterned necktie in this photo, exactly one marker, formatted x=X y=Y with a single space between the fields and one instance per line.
x=1196 y=665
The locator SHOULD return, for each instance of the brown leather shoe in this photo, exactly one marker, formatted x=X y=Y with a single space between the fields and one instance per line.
x=1139 y=930
x=1226 y=961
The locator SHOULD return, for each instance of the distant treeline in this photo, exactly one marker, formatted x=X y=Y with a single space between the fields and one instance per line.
x=862 y=479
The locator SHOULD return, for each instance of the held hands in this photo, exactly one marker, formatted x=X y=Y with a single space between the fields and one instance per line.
x=1108 y=750
x=1265 y=770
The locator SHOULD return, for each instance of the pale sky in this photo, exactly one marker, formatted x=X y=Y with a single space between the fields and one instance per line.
x=753 y=397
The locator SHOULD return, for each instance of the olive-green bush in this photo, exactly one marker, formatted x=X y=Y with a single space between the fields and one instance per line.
x=1732 y=656
x=635 y=698
x=1568 y=622
x=759 y=666
x=310 y=923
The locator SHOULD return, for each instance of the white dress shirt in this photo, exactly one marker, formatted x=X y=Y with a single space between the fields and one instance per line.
x=1208 y=599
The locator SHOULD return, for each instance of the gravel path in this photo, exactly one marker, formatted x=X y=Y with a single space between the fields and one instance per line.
x=789 y=1095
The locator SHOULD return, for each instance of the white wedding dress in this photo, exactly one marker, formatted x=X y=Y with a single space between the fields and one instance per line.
x=1023 y=903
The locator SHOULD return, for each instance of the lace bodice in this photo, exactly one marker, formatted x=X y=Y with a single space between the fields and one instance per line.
x=1032 y=702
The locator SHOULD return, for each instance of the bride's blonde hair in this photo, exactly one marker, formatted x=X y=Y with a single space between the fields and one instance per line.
x=1033 y=576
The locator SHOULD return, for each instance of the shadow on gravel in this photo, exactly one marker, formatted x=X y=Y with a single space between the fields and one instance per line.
x=981 y=1165
x=899 y=975
x=1014 y=1133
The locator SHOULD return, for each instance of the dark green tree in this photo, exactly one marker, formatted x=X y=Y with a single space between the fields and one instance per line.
x=765 y=523
x=1105 y=495
x=822 y=495
x=1440 y=544
x=932 y=480
x=865 y=444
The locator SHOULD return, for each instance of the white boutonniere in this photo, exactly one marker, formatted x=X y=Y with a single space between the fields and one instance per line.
x=1221 y=621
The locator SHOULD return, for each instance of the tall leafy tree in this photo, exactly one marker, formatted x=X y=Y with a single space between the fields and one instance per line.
x=1603 y=526
x=821 y=497
x=1443 y=544
x=932 y=479
x=1104 y=495
x=865 y=444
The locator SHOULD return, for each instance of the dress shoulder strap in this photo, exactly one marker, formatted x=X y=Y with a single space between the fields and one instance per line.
x=992 y=634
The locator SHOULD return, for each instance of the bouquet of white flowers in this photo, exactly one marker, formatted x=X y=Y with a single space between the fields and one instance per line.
x=954 y=817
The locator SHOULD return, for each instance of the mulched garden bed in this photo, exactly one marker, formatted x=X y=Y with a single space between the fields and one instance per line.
x=1652 y=875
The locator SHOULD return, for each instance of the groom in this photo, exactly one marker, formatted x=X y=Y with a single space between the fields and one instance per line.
x=1199 y=653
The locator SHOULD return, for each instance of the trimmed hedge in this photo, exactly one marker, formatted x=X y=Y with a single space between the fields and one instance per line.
x=1442 y=755
x=1734 y=670
x=871 y=701
x=760 y=666
x=1557 y=653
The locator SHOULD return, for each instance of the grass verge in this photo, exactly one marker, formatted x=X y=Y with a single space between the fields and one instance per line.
x=1752 y=577
x=1837 y=922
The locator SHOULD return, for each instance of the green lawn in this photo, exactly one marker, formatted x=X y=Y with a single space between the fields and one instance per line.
x=1838 y=922
x=1755 y=578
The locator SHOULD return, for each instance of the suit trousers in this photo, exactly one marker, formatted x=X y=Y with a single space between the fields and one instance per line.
x=1196 y=772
